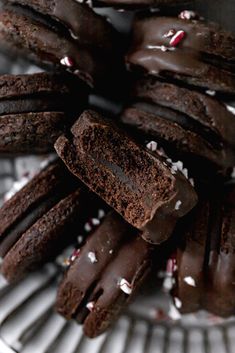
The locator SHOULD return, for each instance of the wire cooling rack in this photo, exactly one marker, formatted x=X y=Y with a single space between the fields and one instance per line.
x=28 y=322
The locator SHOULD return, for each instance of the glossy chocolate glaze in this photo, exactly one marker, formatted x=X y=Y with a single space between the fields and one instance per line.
x=197 y=125
x=120 y=254
x=207 y=256
x=204 y=57
x=85 y=25
x=136 y=183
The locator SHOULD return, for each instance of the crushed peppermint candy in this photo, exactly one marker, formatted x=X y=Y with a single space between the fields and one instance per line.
x=173 y=313
x=161 y=47
x=90 y=306
x=168 y=284
x=75 y=254
x=101 y=213
x=190 y=281
x=178 y=302
x=188 y=15
x=169 y=34
x=67 y=61
x=152 y=146
x=95 y=221
x=87 y=227
x=80 y=239
x=92 y=257
x=177 y=38
x=125 y=286
x=177 y=205
x=210 y=92
x=230 y=108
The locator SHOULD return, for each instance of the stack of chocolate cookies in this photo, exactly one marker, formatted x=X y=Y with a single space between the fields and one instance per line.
x=131 y=191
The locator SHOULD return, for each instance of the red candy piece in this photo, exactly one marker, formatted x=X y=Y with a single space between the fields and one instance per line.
x=176 y=39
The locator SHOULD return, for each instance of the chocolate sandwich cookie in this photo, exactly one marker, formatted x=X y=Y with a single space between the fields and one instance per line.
x=104 y=276
x=137 y=183
x=35 y=109
x=186 y=49
x=62 y=34
x=205 y=265
x=197 y=128
x=40 y=220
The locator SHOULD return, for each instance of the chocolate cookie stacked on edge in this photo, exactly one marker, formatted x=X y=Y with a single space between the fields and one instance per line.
x=139 y=184
x=36 y=109
x=41 y=219
x=186 y=49
x=204 y=263
x=191 y=126
x=62 y=34
x=105 y=275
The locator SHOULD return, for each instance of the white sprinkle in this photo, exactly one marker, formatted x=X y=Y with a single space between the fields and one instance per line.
x=169 y=34
x=111 y=251
x=191 y=180
x=187 y=15
x=190 y=281
x=177 y=205
x=80 y=239
x=173 y=313
x=161 y=47
x=95 y=221
x=66 y=61
x=230 y=109
x=92 y=256
x=90 y=306
x=210 y=93
x=87 y=227
x=178 y=303
x=125 y=286
x=152 y=146
x=101 y=214
x=185 y=172
x=179 y=165
x=168 y=283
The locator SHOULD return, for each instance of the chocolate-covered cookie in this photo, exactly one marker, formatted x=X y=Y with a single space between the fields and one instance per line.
x=40 y=220
x=62 y=34
x=35 y=109
x=186 y=49
x=195 y=127
x=139 y=184
x=104 y=275
x=205 y=266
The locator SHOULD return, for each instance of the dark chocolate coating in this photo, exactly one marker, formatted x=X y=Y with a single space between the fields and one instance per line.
x=207 y=255
x=136 y=183
x=197 y=125
x=205 y=57
x=36 y=109
x=120 y=253
x=56 y=30
x=40 y=220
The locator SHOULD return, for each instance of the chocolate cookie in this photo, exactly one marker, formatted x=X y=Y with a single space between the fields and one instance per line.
x=186 y=49
x=60 y=33
x=138 y=184
x=104 y=276
x=35 y=109
x=205 y=272
x=197 y=129
x=40 y=220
